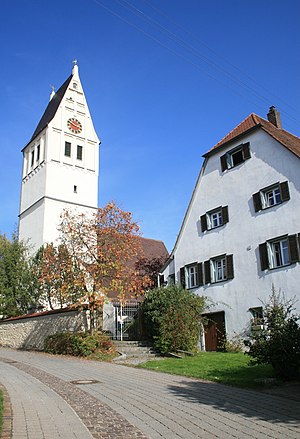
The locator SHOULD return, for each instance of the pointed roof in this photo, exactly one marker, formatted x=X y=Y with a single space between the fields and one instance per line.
x=252 y=122
x=51 y=109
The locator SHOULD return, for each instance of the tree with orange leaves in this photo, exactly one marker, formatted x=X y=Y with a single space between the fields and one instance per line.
x=58 y=276
x=104 y=247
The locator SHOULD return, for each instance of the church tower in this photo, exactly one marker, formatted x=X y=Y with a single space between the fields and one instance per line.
x=60 y=165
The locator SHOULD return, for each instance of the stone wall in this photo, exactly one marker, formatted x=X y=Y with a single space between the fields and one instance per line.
x=30 y=331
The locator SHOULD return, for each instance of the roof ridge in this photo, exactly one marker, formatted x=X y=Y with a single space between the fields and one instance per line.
x=51 y=109
x=252 y=118
x=287 y=139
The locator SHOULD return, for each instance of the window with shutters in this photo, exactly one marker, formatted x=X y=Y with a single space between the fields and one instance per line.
x=218 y=269
x=235 y=156
x=279 y=252
x=191 y=275
x=271 y=196
x=214 y=218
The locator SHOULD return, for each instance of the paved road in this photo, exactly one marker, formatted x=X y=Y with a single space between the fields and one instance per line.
x=51 y=398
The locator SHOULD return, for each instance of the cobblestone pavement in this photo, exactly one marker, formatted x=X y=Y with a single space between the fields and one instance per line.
x=124 y=402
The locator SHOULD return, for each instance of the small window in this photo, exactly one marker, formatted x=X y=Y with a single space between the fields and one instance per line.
x=79 y=152
x=235 y=156
x=214 y=218
x=38 y=153
x=32 y=158
x=171 y=279
x=75 y=189
x=67 y=149
x=279 y=252
x=218 y=269
x=257 y=318
x=75 y=85
x=191 y=275
x=271 y=196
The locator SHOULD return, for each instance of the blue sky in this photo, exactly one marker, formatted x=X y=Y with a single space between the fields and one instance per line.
x=164 y=79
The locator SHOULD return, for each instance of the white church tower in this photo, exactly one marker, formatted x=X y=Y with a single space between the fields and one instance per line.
x=60 y=165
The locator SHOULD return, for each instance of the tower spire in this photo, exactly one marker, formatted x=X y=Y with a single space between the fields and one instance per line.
x=75 y=67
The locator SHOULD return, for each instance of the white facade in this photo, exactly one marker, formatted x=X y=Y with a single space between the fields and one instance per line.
x=60 y=165
x=270 y=163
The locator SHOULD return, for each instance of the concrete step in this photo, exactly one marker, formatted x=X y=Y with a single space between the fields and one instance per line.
x=134 y=352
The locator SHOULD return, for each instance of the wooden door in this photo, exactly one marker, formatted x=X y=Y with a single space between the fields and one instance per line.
x=214 y=330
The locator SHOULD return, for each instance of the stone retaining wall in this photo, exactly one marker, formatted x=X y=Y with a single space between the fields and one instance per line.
x=30 y=331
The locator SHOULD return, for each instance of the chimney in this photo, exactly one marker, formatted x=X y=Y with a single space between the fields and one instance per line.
x=274 y=117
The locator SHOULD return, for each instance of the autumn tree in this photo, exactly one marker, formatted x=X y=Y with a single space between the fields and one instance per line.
x=102 y=246
x=18 y=287
x=58 y=276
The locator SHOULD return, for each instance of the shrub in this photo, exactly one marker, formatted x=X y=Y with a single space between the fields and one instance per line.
x=234 y=345
x=77 y=344
x=278 y=341
x=173 y=317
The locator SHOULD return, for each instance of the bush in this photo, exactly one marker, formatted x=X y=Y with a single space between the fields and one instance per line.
x=77 y=344
x=278 y=342
x=173 y=317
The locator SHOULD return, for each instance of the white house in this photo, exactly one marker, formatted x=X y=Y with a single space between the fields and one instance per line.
x=60 y=165
x=240 y=234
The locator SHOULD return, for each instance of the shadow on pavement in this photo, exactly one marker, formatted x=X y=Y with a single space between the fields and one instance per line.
x=249 y=403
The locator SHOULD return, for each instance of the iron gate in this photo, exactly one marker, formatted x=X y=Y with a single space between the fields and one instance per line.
x=126 y=321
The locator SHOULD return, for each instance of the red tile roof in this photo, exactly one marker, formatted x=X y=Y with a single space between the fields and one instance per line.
x=153 y=248
x=253 y=121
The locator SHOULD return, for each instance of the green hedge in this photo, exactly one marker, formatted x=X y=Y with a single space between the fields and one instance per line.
x=77 y=344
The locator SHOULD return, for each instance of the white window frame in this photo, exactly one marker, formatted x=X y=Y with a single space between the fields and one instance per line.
x=191 y=272
x=229 y=157
x=214 y=219
x=218 y=269
x=270 y=197
x=278 y=252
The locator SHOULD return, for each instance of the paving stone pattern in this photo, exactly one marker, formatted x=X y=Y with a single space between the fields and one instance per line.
x=162 y=405
x=101 y=421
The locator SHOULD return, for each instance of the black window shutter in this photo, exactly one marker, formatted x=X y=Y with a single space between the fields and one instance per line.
x=224 y=164
x=246 y=151
x=203 y=222
x=200 y=274
x=293 y=248
x=207 y=272
x=263 y=253
x=257 y=201
x=182 y=277
x=225 y=217
x=229 y=267
x=284 y=191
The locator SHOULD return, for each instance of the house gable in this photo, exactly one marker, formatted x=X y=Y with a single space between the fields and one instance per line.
x=223 y=226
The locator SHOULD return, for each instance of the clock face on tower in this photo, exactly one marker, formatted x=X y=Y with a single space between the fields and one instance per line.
x=74 y=125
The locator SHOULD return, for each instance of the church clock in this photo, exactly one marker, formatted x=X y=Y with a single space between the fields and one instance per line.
x=74 y=125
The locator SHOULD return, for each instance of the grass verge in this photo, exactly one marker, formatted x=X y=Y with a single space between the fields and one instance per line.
x=226 y=368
